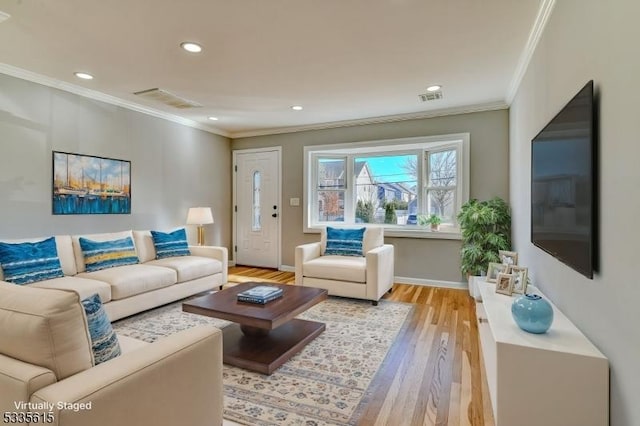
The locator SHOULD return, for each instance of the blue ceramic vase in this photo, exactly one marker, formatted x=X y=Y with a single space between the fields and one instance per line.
x=532 y=313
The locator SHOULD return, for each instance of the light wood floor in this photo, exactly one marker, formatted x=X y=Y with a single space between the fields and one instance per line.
x=432 y=374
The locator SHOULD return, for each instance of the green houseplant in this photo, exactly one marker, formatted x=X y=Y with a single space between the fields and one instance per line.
x=486 y=228
x=434 y=220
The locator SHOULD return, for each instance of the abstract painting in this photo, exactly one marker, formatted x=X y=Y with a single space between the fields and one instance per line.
x=84 y=184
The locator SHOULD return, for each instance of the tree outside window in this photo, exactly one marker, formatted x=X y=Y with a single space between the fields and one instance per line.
x=441 y=183
x=331 y=189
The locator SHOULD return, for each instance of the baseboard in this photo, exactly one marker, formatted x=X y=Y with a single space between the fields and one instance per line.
x=430 y=283
x=287 y=268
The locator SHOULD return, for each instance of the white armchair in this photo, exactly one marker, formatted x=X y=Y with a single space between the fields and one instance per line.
x=367 y=277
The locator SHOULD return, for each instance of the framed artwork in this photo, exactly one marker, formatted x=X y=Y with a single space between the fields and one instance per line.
x=494 y=270
x=84 y=184
x=504 y=283
x=521 y=276
x=508 y=257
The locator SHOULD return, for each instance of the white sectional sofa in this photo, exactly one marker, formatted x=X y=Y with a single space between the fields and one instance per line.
x=47 y=373
x=126 y=290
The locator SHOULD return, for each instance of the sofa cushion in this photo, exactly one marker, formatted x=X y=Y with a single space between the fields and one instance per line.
x=373 y=238
x=170 y=244
x=46 y=328
x=144 y=246
x=107 y=254
x=342 y=268
x=104 y=342
x=129 y=280
x=77 y=250
x=190 y=267
x=344 y=242
x=83 y=286
x=24 y=263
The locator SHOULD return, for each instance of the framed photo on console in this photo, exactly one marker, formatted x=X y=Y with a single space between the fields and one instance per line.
x=504 y=283
x=494 y=270
x=521 y=276
x=508 y=257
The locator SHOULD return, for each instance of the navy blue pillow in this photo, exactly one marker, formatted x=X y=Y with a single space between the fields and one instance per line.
x=24 y=263
x=104 y=341
x=170 y=244
x=344 y=242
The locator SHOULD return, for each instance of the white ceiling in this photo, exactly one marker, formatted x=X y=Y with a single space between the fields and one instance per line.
x=342 y=60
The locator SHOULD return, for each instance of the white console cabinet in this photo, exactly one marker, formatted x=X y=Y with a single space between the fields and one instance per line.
x=554 y=379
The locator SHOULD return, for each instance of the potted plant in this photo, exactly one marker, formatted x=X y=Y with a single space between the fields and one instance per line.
x=486 y=228
x=434 y=220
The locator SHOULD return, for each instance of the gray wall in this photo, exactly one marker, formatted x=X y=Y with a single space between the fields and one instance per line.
x=590 y=39
x=173 y=167
x=415 y=258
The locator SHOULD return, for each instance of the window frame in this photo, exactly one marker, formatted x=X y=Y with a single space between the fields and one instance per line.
x=427 y=171
x=403 y=146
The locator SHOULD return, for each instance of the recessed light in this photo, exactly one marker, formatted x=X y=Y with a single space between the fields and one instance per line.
x=213 y=118
x=83 y=75
x=192 y=47
x=296 y=108
x=434 y=88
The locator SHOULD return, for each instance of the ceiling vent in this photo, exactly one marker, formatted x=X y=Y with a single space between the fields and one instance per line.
x=431 y=96
x=167 y=98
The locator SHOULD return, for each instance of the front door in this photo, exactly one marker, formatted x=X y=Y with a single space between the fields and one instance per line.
x=257 y=208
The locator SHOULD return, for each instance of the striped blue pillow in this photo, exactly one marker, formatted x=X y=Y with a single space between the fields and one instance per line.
x=104 y=342
x=107 y=254
x=24 y=263
x=170 y=244
x=344 y=242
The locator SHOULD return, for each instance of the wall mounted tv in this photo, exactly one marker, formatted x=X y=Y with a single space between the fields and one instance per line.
x=563 y=184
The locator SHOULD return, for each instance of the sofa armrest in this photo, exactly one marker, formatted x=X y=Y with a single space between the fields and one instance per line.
x=176 y=380
x=305 y=253
x=214 y=252
x=379 y=271
x=19 y=380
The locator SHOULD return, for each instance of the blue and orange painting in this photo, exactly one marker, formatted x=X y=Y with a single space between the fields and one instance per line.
x=84 y=184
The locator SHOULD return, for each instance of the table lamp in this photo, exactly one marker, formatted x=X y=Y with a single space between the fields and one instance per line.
x=200 y=216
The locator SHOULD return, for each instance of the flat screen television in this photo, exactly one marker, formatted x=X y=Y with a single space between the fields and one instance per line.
x=563 y=184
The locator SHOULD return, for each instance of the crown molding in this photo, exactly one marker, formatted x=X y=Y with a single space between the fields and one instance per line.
x=93 y=94
x=99 y=96
x=492 y=106
x=540 y=23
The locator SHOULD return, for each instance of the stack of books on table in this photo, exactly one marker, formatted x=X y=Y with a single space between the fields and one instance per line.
x=260 y=294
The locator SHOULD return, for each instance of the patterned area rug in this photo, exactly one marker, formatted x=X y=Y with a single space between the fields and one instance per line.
x=324 y=384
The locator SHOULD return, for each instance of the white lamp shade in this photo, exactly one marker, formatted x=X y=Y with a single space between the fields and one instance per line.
x=199 y=216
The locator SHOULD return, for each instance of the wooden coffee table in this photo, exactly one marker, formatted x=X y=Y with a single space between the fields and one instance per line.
x=264 y=336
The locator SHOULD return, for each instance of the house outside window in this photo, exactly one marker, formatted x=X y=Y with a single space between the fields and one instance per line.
x=387 y=183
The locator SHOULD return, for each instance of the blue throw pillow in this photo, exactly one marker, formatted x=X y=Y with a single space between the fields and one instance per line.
x=24 y=263
x=107 y=254
x=344 y=242
x=104 y=342
x=170 y=244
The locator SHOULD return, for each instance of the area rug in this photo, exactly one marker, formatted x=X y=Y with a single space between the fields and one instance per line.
x=325 y=384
